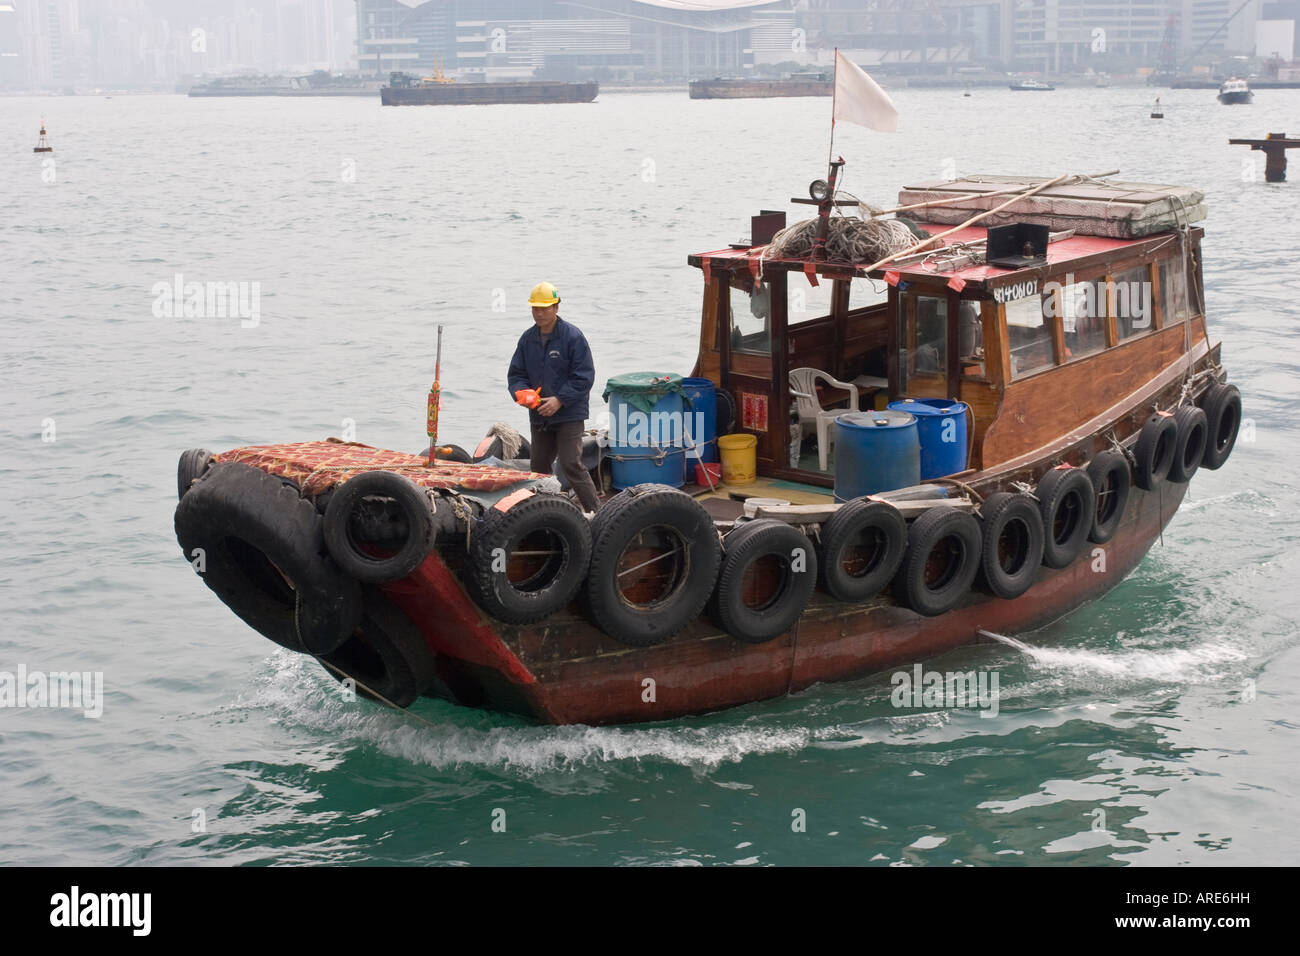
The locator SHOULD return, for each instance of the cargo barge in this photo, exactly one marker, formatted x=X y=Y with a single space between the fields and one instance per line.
x=400 y=93
x=316 y=84
x=1064 y=354
x=799 y=84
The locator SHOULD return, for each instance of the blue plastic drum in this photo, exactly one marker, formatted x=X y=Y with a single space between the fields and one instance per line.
x=875 y=452
x=941 y=426
x=701 y=418
x=646 y=447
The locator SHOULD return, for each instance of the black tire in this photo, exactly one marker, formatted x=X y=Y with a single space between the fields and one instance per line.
x=451 y=453
x=1154 y=451
x=527 y=562
x=757 y=611
x=862 y=546
x=943 y=557
x=1067 y=505
x=264 y=556
x=193 y=465
x=379 y=498
x=1189 y=449
x=652 y=606
x=1222 y=406
x=387 y=655
x=1011 y=532
x=725 y=413
x=1111 y=482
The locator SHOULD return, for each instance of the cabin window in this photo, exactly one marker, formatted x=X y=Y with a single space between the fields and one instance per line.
x=1130 y=295
x=1029 y=335
x=751 y=318
x=923 y=359
x=863 y=293
x=1173 y=292
x=806 y=302
x=1083 y=315
x=970 y=338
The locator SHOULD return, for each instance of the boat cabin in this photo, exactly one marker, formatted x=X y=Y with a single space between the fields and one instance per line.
x=1037 y=351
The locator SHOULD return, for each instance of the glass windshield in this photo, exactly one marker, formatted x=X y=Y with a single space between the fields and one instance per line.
x=923 y=351
x=751 y=318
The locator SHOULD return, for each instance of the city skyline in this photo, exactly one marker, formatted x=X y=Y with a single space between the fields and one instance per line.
x=71 y=44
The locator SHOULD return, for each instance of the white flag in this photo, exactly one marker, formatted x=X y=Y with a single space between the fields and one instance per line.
x=859 y=99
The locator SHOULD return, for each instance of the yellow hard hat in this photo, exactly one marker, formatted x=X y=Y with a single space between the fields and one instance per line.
x=543 y=294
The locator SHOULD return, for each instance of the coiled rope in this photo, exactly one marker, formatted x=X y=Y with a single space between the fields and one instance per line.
x=848 y=239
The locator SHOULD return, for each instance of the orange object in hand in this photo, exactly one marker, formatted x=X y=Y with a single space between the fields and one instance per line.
x=528 y=397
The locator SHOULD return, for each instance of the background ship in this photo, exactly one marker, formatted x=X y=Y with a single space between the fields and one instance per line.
x=319 y=83
x=798 y=84
x=407 y=90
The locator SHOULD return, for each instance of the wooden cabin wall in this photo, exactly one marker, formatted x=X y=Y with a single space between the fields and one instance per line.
x=984 y=393
x=1046 y=405
x=708 y=363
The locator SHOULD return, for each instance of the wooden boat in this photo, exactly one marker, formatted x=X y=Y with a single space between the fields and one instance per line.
x=1088 y=414
x=1235 y=91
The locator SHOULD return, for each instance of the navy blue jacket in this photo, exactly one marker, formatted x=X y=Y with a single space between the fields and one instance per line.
x=566 y=371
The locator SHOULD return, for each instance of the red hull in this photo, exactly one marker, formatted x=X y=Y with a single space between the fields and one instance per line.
x=567 y=671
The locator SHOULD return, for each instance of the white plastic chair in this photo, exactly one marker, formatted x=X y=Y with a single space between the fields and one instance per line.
x=803 y=386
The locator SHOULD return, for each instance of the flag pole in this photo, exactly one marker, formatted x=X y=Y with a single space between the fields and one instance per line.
x=830 y=153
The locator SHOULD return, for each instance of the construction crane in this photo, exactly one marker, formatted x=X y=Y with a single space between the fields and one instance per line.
x=1167 y=67
x=438 y=75
x=1217 y=31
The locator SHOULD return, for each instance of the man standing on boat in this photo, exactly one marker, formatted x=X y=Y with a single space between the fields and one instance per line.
x=554 y=359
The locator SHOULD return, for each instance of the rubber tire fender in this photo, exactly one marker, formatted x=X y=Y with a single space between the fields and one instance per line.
x=1154 y=451
x=1065 y=487
x=926 y=533
x=1105 y=466
x=255 y=531
x=1222 y=405
x=725 y=413
x=388 y=654
x=764 y=538
x=193 y=465
x=889 y=529
x=548 y=589
x=999 y=513
x=412 y=505
x=1189 y=449
x=614 y=526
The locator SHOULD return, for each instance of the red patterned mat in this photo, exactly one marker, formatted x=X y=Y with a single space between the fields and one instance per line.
x=317 y=466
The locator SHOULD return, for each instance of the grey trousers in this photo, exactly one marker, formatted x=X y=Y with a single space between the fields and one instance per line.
x=564 y=441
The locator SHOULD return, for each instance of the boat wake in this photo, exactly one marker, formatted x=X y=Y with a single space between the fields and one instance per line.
x=1195 y=665
x=300 y=697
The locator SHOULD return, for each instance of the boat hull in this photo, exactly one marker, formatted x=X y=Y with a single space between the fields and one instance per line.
x=566 y=671
x=757 y=89
x=1236 y=98
x=467 y=94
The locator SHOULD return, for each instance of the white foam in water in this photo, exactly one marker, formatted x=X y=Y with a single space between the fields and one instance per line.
x=1194 y=665
x=311 y=700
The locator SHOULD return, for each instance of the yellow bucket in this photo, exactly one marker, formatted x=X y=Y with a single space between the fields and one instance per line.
x=739 y=455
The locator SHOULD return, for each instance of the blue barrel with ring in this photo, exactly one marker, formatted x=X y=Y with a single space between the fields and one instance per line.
x=875 y=452
x=941 y=426
x=647 y=421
